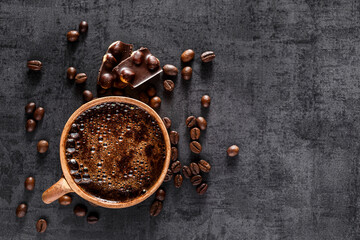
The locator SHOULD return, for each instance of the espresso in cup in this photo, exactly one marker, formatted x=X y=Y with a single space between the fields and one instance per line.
x=115 y=151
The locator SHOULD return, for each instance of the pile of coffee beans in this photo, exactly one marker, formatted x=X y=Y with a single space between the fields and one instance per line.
x=34 y=115
x=157 y=204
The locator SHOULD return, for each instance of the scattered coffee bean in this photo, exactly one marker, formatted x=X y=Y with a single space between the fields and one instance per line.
x=233 y=150
x=167 y=122
x=117 y=92
x=160 y=194
x=169 y=85
x=87 y=95
x=178 y=180
x=170 y=70
x=201 y=122
x=29 y=183
x=143 y=97
x=155 y=208
x=207 y=56
x=190 y=121
x=187 y=55
x=196 y=180
x=155 y=102
x=204 y=166
x=34 y=65
x=205 y=101
x=168 y=175
x=195 y=147
x=92 y=218
x=186 y=73
x=174 y=153
x=41 y=225
x=174 y=137
x=65 y=200
x=42 y=146
x=80 y=78
x=30 y=107
x=30 y=125
x=71 y=73
x=72 y=36
x=80 y=210
x=194 y=168
x=186 y=171
x=202 y=188
x=39 y=113
x=83 y=27
x=151 y=91
x=176 y=166
x=195 y=133
x=21 y=210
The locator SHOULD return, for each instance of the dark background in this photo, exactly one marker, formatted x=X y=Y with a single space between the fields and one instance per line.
x=284 y=86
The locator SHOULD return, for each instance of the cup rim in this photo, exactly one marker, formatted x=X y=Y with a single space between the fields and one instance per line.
x=66 y=171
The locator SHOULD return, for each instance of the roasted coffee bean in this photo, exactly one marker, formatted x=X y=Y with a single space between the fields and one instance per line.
x=34 y=65
x=71 y=73
x=155 y=102
x=196 y=180
x=137 y=57
x=152 y=62
x=30 y=125
x=160 y=194
x=176 y=166
x=191 y=121
x=80 y=78
x=39 y=113
x=41 y=225
x=186 y=73
x=207 y=56
x=168 y=175
x=174 y=153
x=178 y=180
x=29 y=183
x=194 y=167
x=87 y=95
x=30 y=107
x=72 y=36
x=195 y=147
x=21 y=210
x=155 y=208
x=187 y=55
x=169 y=85
x=80 y=210
x=205 y=101
x=233 y=150
x=65 y=200
x=195 y=133
x=117 y=92
x=151 y=91
x=186 y=171
x=92 y=218
x=174 y=137
x=201 y=122
x=170 y=70
x=42 y=146
x=167 y=122
x=202 y=188
x=83 y=27
x=204 y=166
x=143 y=97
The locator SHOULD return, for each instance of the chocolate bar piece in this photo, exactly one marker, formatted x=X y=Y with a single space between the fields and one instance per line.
x=116 y=53
x=137 y=69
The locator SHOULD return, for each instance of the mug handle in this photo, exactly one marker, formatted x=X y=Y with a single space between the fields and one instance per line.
x=56 y=191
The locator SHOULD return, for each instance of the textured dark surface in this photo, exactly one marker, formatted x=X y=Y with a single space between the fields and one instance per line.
x=284 y=87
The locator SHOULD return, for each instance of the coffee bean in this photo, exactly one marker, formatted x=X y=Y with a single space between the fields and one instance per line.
x=42 y=146
x=168 y=175
x=117 y=92
x=155 y=102
x=29 y=183
x=174 y=137
x=186 y=73
x=207 y=56
x=174 y=153
x=178 y=180
x=41 y=225
x=190 y=121
x=72 y=36
x=201 y=189
x=186 y=171
x=71 y=73
x=204 y=166
x=80 y=210
x=194 y=168
x=39 y=113
x=169 y=85
x=196 y=180
x=195 y=133
x=170 y=70
x=21 y=210
x=167 y=122
x=137 y=57
x=30 y=125
x=152 y=62
x=187 y=55
x=195 y=147
x=87 y=95
x=151 y=91
x=205 y=101
x=201 y=122
x=92 y=218
x=83 y=27
x=80 y=78
x=34 y=65
x=176 y=166
x=30 y=107
x=65 y=200
x=155 y=208
x=143 y=97
x=160 y=194
x=233 y=150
